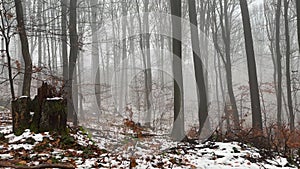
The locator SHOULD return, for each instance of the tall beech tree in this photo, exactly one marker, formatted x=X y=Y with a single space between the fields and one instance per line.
x=178 y=124
x=72 y=57
x=278 y=59
x=64 y=40
x=25 y=48
x=148 y=64
x=287 y=62
x=254 y=92
x=198 y=66
x=227 y=9
x=298 y=21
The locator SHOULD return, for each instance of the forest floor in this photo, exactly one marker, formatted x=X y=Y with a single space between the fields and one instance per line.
x=124 y=144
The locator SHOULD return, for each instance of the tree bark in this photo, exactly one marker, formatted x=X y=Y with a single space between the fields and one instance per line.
x=64 y=40
x=224 y=21
x=278 y=59
x=254 y=92
x=288 y=72
x=178 y=124
x=25 y=49
x=298 y=21
x=123 y=84
x=72 y=58
x=20 y=114
x=95 y=53
x=198 y=65
x=148 y=65
x=214 y=29
x=6 y=42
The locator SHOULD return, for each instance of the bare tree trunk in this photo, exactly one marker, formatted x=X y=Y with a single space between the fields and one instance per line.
x=80 y=67
x=5 y=41
x=198 y=65
x=25 y=49
x=178 y=125
x=217 y=93
x=132 y=48
x=221 y=56
x=270 y=27
x=39 y=34
x=148 y=66
x=288 y=72
x=254 y=92
x=298 y=21
x=53 y=44
x=142 y=47
x=123 y=90
x=64 y=40
x=73 y=57
x=95 y=52
x=278 y=57
x=227 y=60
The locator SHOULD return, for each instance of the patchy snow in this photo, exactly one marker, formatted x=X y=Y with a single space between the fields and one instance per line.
x=5 y=129
x=27 y=134
x=55 y=98
x=22 y=97
x=18 y=146
x=157 y=151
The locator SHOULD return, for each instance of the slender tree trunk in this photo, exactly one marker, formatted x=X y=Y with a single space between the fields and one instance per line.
x=298 y=21
x=226 y=36
x=142 y=47
x=64 y=41
x=5 y=42
x=288 y=74
x=39 y=34
x=178 y=124
x=53 y=44
x=80 y=67
x=214 y=29
x=10 y=77
x=123 y=86
x=19 y=57
x=115 y=55
x=198 y=65
x=72 y=57
x=254 y=92
x=95 y=52
x=217 y=93
x=270 y=26
x=278 y=59
x=25 y=49
x=148 y=64
x=132 y=48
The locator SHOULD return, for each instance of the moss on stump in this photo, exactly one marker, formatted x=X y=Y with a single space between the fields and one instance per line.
x=21 y=114
x=46 y=112
x=53 y=116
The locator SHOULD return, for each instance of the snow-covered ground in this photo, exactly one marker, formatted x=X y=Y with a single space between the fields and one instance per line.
x=117 y=146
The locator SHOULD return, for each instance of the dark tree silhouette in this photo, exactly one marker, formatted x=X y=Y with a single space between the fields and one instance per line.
x=25 y=49
x=288 y=74
x=178 y=124
x=278 y=58
x=73 y=57
x=298 y=21
x=254 y=93
x=198 y=65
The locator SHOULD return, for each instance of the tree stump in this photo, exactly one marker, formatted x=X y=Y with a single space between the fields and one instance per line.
x=53 y=115
x=21 y=114
x=50 y=112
